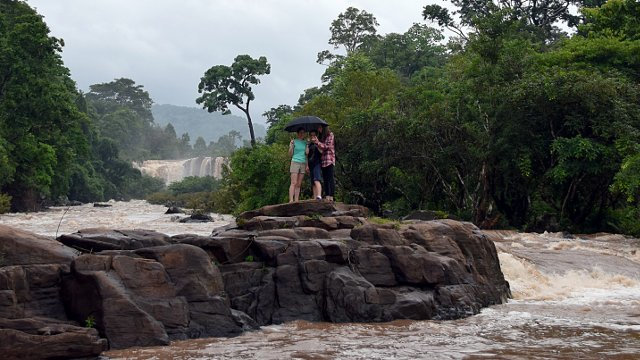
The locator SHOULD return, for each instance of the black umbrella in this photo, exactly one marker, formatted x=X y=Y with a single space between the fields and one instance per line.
x=308 y=123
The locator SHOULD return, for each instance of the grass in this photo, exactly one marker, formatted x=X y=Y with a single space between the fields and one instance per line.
x=381 y=221
x=249 y=258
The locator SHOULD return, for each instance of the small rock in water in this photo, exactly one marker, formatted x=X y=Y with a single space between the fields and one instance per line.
x=174 y=210
x=101 y=205
x=196 y=218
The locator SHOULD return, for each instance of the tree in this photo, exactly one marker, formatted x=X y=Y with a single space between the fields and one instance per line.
x=541 y=16
x=223 y=85
x=121 y=92
x=351 y=29
x=226 y=144
x=274 y=115
x=43 y=136
x=409 y=52
x=200 y=147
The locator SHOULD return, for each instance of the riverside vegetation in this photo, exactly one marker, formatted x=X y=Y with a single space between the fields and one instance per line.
x=512 y=122
x=57 y=142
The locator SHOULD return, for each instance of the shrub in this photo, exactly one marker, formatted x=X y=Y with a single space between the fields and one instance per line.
x=5 y=203
x=193 y=184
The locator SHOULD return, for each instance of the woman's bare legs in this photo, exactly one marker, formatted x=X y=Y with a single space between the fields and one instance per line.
x=317 y=189
x=300 y=178
x=293 y=187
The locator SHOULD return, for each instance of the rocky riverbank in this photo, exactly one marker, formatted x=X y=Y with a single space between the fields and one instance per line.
x=312 y=261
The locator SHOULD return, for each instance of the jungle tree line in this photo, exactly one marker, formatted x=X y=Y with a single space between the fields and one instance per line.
x=511 y=123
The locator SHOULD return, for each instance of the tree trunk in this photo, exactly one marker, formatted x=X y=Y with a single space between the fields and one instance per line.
x=253 y=136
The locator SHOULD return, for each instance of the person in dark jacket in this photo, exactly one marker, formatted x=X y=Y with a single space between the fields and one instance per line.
x=314 y=160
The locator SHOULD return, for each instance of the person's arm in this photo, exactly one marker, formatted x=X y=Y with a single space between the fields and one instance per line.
x=327 y=144
x=291 y=148
x=306 y=150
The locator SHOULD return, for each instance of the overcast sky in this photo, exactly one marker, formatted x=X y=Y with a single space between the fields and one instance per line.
x=167 y=45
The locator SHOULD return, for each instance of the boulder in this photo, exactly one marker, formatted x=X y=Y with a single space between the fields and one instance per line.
x=378 y=235
x=39 y=339
x=33 y=320
x=306 y=208
x=149 y=296
x=101 y=205
x=197 y=218
x=269 y=223
x=174 y=210
x=299 y=233
x=18 y=247
x=374 y=266
x=99 y=239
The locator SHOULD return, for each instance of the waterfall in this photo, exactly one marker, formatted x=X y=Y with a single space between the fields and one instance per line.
x=176 y=170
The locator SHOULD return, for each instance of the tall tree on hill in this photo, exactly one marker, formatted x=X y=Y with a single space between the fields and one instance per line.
x=223 y=85
x=351 y=29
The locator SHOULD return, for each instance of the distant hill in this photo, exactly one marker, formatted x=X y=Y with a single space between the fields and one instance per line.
x=199 y=122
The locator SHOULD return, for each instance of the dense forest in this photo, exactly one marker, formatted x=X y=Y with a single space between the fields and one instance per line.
x=57 y=143
x=528 y=117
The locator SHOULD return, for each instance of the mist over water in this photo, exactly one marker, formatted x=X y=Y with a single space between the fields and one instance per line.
x=572 y=298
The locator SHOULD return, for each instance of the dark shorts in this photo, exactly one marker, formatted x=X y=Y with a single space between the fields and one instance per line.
x=315 y=172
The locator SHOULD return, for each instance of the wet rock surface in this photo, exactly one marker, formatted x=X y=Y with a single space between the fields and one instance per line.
x=315 y=261
x=33 y=320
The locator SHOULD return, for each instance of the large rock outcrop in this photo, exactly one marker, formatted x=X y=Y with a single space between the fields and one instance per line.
x=33 y=321
x=320 y=261
x=149 y=296
x=316 y=261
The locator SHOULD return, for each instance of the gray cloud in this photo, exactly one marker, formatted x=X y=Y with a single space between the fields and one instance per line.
x=167 y=45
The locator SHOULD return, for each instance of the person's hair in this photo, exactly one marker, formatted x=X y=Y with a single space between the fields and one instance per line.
x=315 y=132
x=299 y=129
x=325 y=132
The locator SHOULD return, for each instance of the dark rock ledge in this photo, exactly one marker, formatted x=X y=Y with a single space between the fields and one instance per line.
x=315 y=261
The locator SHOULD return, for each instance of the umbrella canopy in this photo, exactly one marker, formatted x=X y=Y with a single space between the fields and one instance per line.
x=308 y=123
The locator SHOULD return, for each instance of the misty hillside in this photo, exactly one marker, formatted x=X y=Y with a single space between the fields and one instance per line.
x=199 y=122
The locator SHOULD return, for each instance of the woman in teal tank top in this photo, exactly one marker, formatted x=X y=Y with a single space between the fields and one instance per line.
x=298 y=150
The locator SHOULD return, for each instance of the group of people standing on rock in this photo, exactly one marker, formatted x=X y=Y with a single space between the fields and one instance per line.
x=314 y=155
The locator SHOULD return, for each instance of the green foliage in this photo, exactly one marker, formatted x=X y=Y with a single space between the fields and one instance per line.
x=249 y=258
x=194 y=184
x=42 y=132
x=352 y=28
x=259 y=177
x=5 y=203
x=223 y=86
x=90 y=322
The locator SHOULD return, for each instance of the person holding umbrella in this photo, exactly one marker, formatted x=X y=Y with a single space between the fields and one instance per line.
x=298 y=150
x=328 y=148
x=300 y=125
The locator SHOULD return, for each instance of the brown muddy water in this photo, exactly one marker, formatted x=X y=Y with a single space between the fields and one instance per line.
x=573 y=299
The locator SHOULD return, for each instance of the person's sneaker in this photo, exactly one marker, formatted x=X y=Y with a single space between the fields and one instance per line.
x=319 y=198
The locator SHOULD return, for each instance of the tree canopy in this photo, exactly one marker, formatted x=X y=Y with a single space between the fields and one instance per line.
x=223 y=86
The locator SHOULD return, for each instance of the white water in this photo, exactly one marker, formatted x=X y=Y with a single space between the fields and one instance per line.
x=176 y=170
x=122 y=215
x=572 y=298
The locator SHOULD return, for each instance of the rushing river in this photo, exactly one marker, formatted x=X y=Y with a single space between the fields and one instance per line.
x=573 y=299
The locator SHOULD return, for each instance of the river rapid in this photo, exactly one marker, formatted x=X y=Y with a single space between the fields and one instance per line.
x=572 y=298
